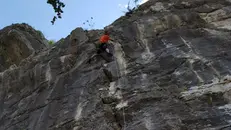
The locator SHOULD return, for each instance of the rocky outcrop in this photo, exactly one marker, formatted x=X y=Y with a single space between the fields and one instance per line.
x=17 y=42
x=170 y=72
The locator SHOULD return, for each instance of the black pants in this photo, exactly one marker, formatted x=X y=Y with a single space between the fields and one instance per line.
x=102 y=47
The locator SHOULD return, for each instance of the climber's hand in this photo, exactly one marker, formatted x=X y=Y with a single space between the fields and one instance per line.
x=112 y=40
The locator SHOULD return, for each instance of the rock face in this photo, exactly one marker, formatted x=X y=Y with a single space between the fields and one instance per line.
x=17 y=42
x=171 y=72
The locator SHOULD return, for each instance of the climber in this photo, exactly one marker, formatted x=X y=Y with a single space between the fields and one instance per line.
x=103 y=45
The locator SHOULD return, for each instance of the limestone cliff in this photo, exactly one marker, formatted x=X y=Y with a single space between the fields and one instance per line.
x=17 y=42
x=171 y=71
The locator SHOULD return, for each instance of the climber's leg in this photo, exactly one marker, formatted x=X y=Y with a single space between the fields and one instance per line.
x=99 y=49
x=107 y=49
x=102 y=47
x=105 y=52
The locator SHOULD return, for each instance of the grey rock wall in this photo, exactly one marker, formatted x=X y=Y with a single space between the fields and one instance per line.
x=171 y=72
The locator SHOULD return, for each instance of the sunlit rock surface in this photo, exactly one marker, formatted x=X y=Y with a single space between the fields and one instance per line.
x=171 y=71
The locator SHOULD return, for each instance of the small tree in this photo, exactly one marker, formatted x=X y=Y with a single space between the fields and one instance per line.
x=51 y=42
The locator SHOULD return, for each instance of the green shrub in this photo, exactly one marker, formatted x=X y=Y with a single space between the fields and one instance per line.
x=51 y=42
x=40 y=33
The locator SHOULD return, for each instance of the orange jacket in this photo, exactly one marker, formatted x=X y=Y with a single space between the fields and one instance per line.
x=104 y=39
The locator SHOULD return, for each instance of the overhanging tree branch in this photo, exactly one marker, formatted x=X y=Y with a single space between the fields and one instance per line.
x=57 y=6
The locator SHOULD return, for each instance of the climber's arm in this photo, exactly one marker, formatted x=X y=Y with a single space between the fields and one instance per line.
x=111 y=39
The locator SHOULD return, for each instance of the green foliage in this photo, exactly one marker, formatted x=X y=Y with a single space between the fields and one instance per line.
x=51 y=42
x=40 y=33
x=58 y=8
